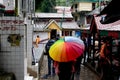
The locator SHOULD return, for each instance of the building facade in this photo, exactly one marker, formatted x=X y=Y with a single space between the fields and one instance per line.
x=80 y=8
x=16 y=34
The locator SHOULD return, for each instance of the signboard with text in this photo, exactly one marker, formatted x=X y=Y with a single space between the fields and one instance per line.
x=8 y=26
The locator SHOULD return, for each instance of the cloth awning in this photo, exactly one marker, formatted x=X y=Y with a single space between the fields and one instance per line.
x=114 y=34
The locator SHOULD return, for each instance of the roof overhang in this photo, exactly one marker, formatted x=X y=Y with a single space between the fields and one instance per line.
x=112 y=11
x=96 y=25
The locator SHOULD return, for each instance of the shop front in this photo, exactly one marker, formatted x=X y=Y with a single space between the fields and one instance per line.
x=97 y=32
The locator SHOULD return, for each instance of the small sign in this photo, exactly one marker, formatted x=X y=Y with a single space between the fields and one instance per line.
x=14 y=39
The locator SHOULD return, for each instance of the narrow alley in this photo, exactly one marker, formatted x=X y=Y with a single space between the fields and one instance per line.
x=86 y=73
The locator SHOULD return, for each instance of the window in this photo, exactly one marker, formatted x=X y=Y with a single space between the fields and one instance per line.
x=66 y=33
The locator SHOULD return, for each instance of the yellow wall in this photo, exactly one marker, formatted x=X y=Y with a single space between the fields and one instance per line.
x=54 y=26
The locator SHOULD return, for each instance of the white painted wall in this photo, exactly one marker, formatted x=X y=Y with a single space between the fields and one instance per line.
x=1 y=1
x=85 y=6
x=12 y=57
x=43 y=35
x=9 y=4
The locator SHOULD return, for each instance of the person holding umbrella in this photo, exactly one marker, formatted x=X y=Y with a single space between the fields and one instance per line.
x=65 y=70
x=64 y=52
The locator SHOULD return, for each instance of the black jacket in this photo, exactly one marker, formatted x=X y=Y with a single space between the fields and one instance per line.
x=48 y=45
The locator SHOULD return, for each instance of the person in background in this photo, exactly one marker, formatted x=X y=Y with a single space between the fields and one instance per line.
x=85 y=51
x=105 y=62
x=116 y=63
x=51 y=69
x=35 y=50
x=78 y=65
x=37 y=41
x=57 y=37
x=118 y=54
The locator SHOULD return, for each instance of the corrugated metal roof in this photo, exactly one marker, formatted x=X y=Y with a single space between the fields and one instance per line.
x=112 y=26
x=65 y=25
x=69 y=25
x=66 y=9
x=39 y=26
x=50 y=22
x=53 y=15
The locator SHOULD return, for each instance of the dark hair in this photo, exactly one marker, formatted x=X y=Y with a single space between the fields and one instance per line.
x=52 y=37
x=104 y=39
x=37 y=35
x=58 y=35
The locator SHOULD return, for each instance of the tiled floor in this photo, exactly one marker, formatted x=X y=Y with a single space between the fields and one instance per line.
x=85 y=74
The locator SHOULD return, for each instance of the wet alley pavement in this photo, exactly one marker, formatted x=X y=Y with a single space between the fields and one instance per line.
x=85 y=74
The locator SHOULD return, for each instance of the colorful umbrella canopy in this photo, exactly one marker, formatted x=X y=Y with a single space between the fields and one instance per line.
x=66 y=49
x=74 y=39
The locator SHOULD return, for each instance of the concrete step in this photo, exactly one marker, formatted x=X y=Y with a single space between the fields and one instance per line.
x=32 y=72
x=35 y=78
x=28 y=77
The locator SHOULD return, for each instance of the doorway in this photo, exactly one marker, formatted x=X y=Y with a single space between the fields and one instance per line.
x=53 y=33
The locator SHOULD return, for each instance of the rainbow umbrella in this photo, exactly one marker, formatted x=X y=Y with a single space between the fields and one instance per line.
x=66 y=49
x=74 y=39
